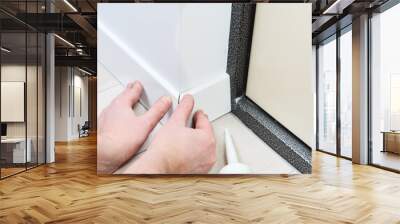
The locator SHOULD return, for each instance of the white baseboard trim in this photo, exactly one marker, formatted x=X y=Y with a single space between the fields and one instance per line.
x=214 y=98
x=126 y=66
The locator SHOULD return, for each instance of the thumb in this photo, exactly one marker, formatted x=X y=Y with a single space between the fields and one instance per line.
x=201 y=122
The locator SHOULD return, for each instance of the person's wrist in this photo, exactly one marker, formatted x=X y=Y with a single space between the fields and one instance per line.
x=167 y=159
x=160 y=160
x=107 y=160
x=149 y=162
x=104 y=163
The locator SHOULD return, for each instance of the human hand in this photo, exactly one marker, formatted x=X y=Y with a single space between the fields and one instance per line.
x=177 y=148
x=121 y=133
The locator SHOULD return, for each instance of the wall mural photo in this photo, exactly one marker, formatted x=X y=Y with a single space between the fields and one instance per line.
x=171 y=103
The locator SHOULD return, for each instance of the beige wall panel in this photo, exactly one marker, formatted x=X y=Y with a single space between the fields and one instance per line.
x=280 y=78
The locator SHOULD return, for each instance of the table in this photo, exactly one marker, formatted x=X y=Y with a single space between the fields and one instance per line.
x=17 y=149
x=391 y=141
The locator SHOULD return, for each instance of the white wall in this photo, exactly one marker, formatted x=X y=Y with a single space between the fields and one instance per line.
x=61 y=103
x=16 y=73
x=80 y=84
x=280 y=78
x=68 y=82
x=177 y=48
x=33 y=126
x=186 y=44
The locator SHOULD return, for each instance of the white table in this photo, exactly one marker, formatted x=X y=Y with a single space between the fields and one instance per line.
x=19 y=153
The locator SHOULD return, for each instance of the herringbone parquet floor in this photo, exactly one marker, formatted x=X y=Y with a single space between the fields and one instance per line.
x=69 y=191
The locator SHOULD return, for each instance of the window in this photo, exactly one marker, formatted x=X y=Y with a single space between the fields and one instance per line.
x=22 y=77
x=327 y=96
x=335 y=94
x=346 y=93
x=385 y=89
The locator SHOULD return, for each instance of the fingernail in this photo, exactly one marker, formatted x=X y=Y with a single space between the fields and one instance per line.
x=136 y=86
x=166 y=99
x=186 y=97
x=202 y=112
x=130 y=85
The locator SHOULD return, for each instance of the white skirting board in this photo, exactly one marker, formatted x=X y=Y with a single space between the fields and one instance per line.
x=127 y=67
x=214 y=98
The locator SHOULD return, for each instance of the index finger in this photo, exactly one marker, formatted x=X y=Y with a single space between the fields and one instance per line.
x=182 y=113
x=131 y=95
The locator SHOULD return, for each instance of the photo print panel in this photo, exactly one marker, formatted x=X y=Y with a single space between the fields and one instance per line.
x=177 y=49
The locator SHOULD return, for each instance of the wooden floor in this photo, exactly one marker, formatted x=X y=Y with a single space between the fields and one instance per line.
x=10 y=171
x=5 y=172
x=69 y=191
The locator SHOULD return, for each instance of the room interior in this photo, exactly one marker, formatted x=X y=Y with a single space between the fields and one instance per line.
x=335 y=91
x=24 y=87
x=204 y=76
x=22 y=102
x=355 y=160
x=385 y=90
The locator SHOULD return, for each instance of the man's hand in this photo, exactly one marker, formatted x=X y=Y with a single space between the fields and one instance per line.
x=121 y=133
x=178 y=149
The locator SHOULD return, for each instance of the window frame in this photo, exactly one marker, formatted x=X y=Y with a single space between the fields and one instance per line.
x=334 y=37
x=381 y=9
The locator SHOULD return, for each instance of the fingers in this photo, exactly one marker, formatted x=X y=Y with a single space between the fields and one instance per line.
x=201 y=121
x=157 y=111
x=183 y=111
x=130 y=96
